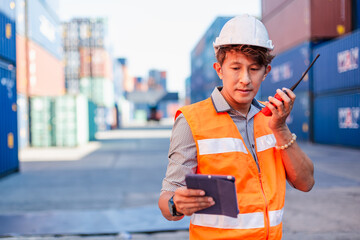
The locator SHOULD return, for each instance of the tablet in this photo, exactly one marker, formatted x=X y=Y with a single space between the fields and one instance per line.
x=221 y=188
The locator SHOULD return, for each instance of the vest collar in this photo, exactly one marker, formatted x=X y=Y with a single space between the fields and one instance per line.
x=221 y=105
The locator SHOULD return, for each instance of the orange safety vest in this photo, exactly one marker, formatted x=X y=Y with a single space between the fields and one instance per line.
x=260 y=191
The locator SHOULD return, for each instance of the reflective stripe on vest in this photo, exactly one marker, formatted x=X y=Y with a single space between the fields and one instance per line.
x=265 y=142
x=243 y=221
x=221 y=145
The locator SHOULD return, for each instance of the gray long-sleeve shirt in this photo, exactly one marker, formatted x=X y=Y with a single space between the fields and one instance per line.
x=182 y=152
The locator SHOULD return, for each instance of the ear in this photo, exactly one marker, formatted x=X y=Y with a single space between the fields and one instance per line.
x=217 y=68
x=267 y=70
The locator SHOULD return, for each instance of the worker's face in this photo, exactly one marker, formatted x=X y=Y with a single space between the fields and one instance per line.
x=241 y=77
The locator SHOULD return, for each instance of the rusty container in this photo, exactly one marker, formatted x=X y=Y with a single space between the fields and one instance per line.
x=298 y=21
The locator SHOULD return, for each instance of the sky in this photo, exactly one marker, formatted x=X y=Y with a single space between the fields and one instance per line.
x=157 y=34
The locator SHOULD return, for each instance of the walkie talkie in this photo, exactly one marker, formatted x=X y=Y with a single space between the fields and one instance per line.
x=266 y=111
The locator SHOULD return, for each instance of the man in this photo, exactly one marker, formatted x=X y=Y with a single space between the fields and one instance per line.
x=227 y=134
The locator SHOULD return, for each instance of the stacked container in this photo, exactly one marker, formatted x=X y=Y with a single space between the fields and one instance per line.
x=39 y=56
x=88 y=66
x=291 y=23
x=287 y=68
x=337 y=92
x=40 y=69
x=41 y=121
x=203 y=77
x=71 y=120
x=8 y=123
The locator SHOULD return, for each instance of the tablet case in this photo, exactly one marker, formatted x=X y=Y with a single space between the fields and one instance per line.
x=221 y=188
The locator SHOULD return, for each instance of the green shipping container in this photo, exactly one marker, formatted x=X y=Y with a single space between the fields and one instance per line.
x=71 y=121
x=41 y=121
x=98 y=90
x=92 y=124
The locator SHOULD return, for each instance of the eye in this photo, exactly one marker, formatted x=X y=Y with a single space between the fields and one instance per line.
x=235 y=68
x=254 y=69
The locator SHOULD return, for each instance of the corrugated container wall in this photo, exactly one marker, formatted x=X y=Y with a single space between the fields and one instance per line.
x=307 y=20
x=338 y=69
x=46 y=75
x=71 y=120
x=287 y=68
x=337 y=119
x=272 y=6
x=41 y=121
x=7 y=31
x=23 y=120
x=44 y=28
x=203 y=77
x=9 y=161
x=95 y=62
x=356 y=14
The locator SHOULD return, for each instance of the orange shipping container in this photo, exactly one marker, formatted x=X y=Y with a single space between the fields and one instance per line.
x=39 y=73
x=95 y=62
x=21 y=66
x=298 y=21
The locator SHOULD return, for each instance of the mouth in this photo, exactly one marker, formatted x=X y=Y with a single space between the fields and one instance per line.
x=244 y=90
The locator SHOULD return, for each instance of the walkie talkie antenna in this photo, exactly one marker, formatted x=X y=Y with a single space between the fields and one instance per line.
x=297 y=83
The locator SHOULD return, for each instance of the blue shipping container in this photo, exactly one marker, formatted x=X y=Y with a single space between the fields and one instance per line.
x=287 y=68
x=356 y=14
x=23 y=120
x=9 y=161
x=203 y=77
x=338 y=67
x=7 y=38
x=7 y=7
x=299 y=118
x=44 y=28
x=337 y=119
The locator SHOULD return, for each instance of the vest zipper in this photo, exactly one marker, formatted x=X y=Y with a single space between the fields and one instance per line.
x=267 y=221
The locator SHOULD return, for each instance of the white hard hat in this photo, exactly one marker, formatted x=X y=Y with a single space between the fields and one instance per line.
x=245 y=30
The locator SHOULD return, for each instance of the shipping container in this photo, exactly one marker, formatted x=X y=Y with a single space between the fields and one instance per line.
x=337 y=119
x=356 y=14
x=72 y=64
x=299 y=120
x=93 y=128
x=20 y=17
x=338 y=67
x=308 y=20
x=44 y=28
x=9 y=161
x=287 y=68
x=71 y=126
x=42 y=71
x=41 y=121
x=95 y=62
x=103 y=118
x=7 y=38
x=98 y=90
x=7 y=7
x=84 y=32
x=203 y=77
x=72 y=86
x=21 y=65
x=271 y=7
x=23 y=121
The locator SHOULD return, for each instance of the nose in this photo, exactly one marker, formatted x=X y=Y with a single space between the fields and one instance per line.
x=245 y=77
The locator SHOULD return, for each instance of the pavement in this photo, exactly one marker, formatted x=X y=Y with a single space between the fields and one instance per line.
x=109 y=189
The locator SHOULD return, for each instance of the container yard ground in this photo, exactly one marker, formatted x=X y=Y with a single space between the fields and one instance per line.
x=108 y=188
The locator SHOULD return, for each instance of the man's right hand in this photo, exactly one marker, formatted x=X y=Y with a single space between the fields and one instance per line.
x=189 y=201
